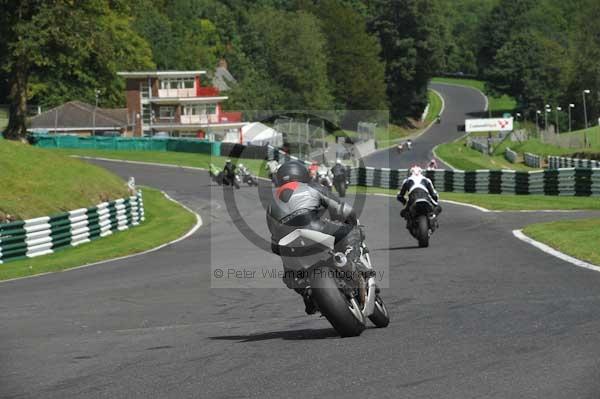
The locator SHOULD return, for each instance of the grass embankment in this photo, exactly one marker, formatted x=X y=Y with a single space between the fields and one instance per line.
x=165 y=221
x=496 y=104
x=506 y=202
x=578 y=238
x=459 y=156
x=37 y=182
x=166 y=157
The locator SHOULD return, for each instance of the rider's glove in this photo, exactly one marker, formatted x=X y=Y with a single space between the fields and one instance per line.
x=401 y=199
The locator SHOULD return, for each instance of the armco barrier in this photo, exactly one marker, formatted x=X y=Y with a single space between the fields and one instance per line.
x=43 y=235
x=532 y=160
x=510 y=155
x=567 y=182
x=555 y=162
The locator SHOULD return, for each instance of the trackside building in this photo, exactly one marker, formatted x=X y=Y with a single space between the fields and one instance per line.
x=178 y=104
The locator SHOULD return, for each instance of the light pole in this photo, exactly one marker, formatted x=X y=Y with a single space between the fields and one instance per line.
x=584 y=107
x=537 y=125
x=546 y=110
x=97 y=93
x=571 y=106
x=556 y=119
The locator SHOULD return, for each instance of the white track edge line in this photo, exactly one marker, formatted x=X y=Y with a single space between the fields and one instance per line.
x=195 y=228
x=551 y=251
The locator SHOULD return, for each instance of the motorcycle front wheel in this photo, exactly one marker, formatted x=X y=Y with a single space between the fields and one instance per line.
x=380 y=316
x=344 y=314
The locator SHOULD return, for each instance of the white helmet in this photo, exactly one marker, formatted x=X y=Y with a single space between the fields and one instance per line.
x=338 y=161
x=240 y=165
x=415 y=170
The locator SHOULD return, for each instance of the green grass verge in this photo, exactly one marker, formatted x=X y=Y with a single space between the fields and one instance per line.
x=165 y=221
x=578 y=238
x=506 y=202
x=166 y=157
x=435 y=106
x=465 y=158
x=497 y=105
x=38 y=182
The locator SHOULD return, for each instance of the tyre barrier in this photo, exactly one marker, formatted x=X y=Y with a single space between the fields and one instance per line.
x=43 y=235
x=555 y=162
x=510 y=155
x=532 y=160
x=567 y=182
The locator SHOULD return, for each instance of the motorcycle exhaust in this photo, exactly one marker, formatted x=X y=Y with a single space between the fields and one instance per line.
x=370 y=300
x=340 y=259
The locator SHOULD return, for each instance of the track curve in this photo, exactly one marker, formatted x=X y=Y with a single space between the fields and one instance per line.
x=478 y=314
x=460 y=103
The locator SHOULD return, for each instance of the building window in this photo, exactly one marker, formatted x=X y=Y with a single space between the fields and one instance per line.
x=177 y=83
x=200 y=109
x=166 y=112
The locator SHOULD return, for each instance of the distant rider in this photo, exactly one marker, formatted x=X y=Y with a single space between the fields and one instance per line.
x=312 y=170
x=272 y=167
x=339 y=172
x=229 y=171
x=298 y=203
x=243 y=170
x=418 y=186
x=432 y=164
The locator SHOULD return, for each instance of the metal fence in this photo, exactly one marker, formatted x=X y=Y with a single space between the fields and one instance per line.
x=510 y=155
x=43 y=235
x=532 y=160
x=568 y=182
x=555 y=162
x=129 y=144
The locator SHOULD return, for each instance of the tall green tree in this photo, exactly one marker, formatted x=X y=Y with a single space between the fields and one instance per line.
x=287 y=51
x=411 y=42
x=63 y=50
x=356 y=73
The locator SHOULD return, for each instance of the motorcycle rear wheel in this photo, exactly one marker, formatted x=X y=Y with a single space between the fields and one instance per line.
x=342 y=313
x=423 y=231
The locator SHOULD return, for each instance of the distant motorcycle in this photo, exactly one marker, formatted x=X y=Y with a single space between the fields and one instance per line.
x=340 y=184
x=233 y=181
x=246 y=177
x=421 y=220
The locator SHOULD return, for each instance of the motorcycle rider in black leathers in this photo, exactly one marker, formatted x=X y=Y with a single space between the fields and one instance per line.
x=418 y=186
x=299 y=203
x=229 y=172
x=339 y=171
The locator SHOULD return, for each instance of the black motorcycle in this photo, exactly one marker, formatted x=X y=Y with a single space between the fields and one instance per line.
x=341 y=185
x=421 y=220
x=233 y=181
x=326 y=278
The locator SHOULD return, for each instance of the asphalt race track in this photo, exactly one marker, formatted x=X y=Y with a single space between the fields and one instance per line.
x=460 y=103
x=479 y=314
